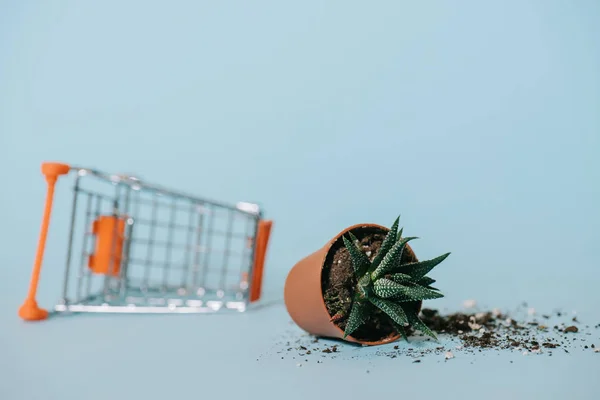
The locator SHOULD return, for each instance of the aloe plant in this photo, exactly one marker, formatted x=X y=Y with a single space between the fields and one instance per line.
x=390 y=285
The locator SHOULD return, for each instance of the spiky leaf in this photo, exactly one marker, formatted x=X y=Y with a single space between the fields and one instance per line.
x=419 y=269
x=393 y=310
x=399 y=235
x=424 y=281
x=414 y=292
x=358 y=315
x=386 y=288
x=401 y=331
x=386 y=245
x=360 y=261
x=354 y=238
x=399 y=278
x=392 y=258
x=416 y=323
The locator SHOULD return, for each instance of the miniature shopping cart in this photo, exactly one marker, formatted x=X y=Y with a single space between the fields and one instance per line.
x=135 y=247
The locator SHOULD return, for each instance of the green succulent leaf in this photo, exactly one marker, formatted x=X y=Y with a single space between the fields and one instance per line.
x=392 y=258
x=360 y=261
x=415 y=292
x=393 y=310
x=399 y=235
x=419 y=269
x=386 y=288
x=386 y=245
x=358 y=315
x=416 y=322
x=399 y=278
x=424 y=281
x=354 y=239
x=388 y=285
x=401 y=331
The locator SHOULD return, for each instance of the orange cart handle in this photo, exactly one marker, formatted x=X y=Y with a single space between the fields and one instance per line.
x=260 y=252
x=30 y=310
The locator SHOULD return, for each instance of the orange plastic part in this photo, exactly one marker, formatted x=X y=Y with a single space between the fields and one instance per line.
x=262 y=241
x=109 y=245
x=30 y=310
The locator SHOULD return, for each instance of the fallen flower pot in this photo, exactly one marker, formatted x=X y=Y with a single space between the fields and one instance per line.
x=358 y=287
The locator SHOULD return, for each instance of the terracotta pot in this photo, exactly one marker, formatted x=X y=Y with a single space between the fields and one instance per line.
x=303 y=292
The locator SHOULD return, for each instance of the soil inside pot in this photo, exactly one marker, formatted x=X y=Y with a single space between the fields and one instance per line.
x=338 y=283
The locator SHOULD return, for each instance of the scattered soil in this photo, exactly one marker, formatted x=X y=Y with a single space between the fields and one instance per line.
x=457 y=323
x=494 y=330
x=521 y=332
x=338 y=283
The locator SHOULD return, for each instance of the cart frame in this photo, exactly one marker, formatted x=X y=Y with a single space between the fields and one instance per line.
x=105 y=281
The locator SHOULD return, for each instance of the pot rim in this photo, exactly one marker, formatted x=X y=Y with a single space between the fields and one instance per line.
x=392 y=337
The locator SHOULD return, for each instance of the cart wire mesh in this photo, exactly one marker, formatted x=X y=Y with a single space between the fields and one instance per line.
x=137 y=247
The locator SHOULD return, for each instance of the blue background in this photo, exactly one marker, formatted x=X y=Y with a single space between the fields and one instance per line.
x=478 y=122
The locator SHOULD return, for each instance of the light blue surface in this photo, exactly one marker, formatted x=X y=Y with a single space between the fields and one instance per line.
x=478 y=122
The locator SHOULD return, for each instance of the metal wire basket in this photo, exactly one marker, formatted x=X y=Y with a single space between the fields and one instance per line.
x=136 y=247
